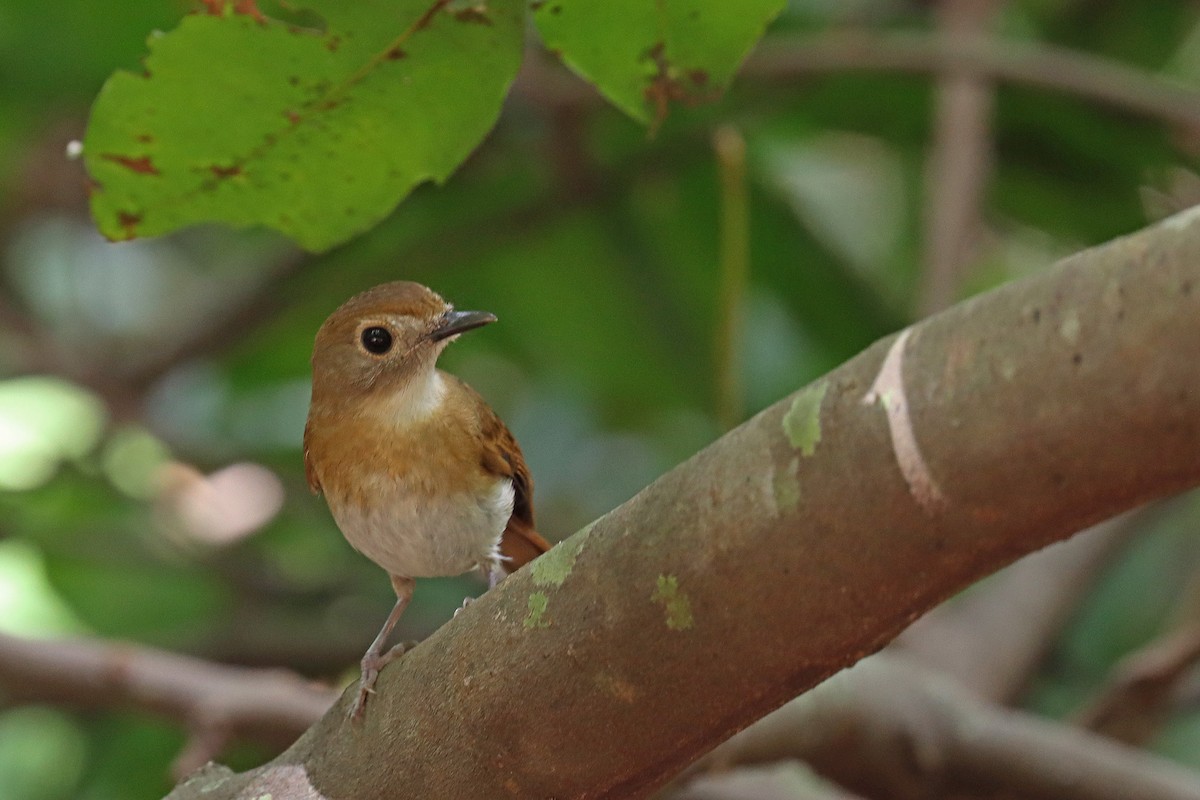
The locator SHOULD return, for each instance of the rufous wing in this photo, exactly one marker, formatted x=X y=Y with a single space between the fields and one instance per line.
x=521 y=542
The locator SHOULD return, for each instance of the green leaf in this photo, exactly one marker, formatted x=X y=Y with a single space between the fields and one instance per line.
x=318 y=134
x=643 y=55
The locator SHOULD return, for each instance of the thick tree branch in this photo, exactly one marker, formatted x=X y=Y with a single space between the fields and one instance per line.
x=793 y=546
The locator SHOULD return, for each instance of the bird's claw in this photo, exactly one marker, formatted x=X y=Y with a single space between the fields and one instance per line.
x=466 y=602
x=366 y=687
x=371 y=664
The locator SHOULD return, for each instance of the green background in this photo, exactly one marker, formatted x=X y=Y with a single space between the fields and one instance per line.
x=596 y=246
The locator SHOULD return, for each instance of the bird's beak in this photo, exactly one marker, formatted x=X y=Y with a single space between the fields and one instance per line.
x=456 y=322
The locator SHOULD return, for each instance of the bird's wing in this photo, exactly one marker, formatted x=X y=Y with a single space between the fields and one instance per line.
x=502 y=457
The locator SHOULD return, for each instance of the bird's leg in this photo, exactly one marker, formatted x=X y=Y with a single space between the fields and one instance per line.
x=375 y=659
x=493 y=570
x=495 y=573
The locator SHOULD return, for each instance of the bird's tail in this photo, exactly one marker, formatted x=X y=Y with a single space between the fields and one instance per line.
x=520 y=544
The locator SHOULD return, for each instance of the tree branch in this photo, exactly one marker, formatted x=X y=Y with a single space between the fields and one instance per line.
x=1046 y=67
x=271 y=706
x=889 y=728
x=959 y=161
x=1137 y=701
x=844 y=512
x=993 y=640
x=789 y=780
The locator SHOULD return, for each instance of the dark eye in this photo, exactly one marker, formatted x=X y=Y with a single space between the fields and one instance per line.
x=377 y=340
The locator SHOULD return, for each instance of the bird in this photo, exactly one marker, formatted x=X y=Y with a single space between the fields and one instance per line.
x=417 y=470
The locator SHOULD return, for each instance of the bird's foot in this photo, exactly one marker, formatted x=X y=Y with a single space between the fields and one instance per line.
x=371 y=664
x=466 y=602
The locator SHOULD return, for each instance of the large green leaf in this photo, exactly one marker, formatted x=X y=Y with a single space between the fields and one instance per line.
x=248 y=120
x=644 y=54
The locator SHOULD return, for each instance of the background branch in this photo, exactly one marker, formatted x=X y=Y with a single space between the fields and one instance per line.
x=1043 y=66
x=959 y=159
x=992 y=640
x=1133 y=706
x=887 y=728
x=269 y=706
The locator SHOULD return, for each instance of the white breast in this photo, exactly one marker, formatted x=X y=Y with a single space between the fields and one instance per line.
x=413 y=535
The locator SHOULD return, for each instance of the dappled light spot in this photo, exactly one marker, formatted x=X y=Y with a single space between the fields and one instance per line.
x=29 y=604
x=44 y=422
x=220 y=508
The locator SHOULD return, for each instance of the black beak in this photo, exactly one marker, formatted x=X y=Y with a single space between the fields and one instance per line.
x=455 y=322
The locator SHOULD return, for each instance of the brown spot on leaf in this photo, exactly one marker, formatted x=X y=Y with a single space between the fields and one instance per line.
x=144 y=138
x=141 y=164
x=245 y=7
x=663 y=88
x=225 y=172
x=475 y=14
x=666 y=86
x=429 y=14
x=333 y=43
x=396 y=53
x=293 y=117
x=248 y=8
x=129 y=222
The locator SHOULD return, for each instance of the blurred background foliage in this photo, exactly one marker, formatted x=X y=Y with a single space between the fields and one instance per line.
x=153 y=393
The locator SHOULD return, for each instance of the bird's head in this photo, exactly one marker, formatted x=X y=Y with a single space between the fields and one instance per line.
x=385 y=340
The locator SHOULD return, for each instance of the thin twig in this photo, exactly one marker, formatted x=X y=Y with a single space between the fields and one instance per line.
x=959 y=159
x=734 y=227
x=1146 y=686
x=237 y=317
x=1044 y=66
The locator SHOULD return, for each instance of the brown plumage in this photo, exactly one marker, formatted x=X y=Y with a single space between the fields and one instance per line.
x=420 y=474
x=521 y=542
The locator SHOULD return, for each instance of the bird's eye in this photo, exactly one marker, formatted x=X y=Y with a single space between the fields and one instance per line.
x=376 y=340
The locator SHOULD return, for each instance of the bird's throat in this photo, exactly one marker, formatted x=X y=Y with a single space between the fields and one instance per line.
x=411 y=402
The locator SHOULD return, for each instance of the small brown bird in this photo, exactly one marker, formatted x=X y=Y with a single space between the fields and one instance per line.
x=420 y=474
